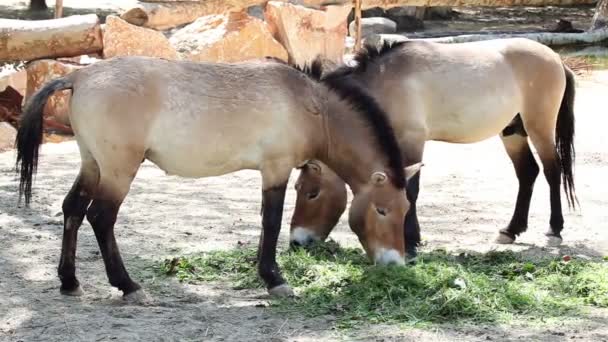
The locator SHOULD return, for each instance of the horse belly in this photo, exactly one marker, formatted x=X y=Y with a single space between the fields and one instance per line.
x=203 y=154
x=475 y=121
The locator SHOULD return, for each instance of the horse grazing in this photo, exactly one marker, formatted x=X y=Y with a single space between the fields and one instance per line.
x=205 y=119
x=459 y=93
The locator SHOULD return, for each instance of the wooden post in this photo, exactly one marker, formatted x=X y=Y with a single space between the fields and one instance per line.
x=58 y=8
x=357 y=24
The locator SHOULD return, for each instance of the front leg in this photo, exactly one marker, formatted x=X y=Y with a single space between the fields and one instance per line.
x=272 y=214
x=411 y=227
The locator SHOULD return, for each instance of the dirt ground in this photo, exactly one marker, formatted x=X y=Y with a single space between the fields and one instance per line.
x=468 y=193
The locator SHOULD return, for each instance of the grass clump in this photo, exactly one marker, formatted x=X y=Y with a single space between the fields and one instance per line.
x=440 y=288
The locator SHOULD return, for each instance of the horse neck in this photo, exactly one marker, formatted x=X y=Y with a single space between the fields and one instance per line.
x=351 y=150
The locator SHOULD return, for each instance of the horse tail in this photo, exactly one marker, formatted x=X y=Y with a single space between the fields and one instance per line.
x=564 y=137
x=29 y=135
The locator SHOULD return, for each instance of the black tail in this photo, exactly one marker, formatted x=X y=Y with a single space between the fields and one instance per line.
x=564 y=137
x=29 y=135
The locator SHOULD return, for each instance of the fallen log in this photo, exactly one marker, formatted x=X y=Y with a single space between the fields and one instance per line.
x=547 y=38
x=22 y=40
x=455 y=3
x=166 y=15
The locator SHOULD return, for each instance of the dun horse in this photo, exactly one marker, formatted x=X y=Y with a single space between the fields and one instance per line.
x=459 y=93
x=204 y=119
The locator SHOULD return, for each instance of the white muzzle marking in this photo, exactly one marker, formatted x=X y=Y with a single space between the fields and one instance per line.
x=303 y=236
x=389 y=256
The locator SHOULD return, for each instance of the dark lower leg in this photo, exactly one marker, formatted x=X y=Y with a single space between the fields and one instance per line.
x=411 y=227
x=272 y=215
x=553 y=175
x=102 y=216
x=526 y=170
x=74 y=208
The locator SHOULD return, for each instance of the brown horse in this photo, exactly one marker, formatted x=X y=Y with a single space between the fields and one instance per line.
x=459 y=93
x=205 y=119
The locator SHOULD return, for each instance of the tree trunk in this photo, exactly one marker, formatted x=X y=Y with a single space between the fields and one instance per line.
x=165 y=15
x=38 y=5
x=600 y=18
x=547 y=38
x=22 y=40
x=455 y=3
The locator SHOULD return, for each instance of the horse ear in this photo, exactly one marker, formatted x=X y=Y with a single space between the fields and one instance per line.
x=314 y=167
x=379 y=178
x=412 y=170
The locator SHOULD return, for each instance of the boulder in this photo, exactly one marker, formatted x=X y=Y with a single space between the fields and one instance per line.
x=373 y=25
x=439 y=13
x=38 y=74
x=123 y=39
x=307 y=33
x=8 y=134
x=408 y=18
x=229 y=37
x=14 y=78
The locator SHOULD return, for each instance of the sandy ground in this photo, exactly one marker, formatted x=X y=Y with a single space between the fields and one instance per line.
x=468 y=193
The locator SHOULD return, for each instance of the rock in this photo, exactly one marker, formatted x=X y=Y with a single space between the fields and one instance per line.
x=256 y=11
x=307 y=33
x=10 y=105
x=123 y=39
x=373 y=25
x=406 y=17
x=229 y=37
x=42 y=71
x=439 y=13
x=8 y=134
x=16 y=79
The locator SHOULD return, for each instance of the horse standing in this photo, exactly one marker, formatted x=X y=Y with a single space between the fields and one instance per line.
x=459 y=93
x=206 y=119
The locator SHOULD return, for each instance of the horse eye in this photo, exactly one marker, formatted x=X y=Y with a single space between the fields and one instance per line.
x=312 y=195
x=381 y=211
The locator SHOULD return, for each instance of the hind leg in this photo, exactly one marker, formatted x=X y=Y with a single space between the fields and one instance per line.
x=74 y=209
x=102 y=214
x=515 y=141
x=544 y=143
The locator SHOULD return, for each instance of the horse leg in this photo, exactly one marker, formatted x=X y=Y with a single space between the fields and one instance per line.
x=74 y=209
x=102 y=215
x=411 y=227
x=273 y=198
x=515 y=141
x=553 y=173
x=544 y=143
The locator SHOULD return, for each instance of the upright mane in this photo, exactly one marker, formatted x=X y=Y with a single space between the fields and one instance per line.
x=364 y=57
x=376 y=118
x=366 y=106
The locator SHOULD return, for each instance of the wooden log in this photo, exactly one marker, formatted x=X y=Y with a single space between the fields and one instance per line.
x=357 y=25
x=547 y=38
x=165 y=15
x=22 y=40
x=455 y=3
x=58 y=8
x=600 y=18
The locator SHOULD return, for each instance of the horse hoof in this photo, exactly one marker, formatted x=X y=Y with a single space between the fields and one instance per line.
x=504 y=239
x=137 y=297
x=281 y=291
x=77 y=292
x=553 y=241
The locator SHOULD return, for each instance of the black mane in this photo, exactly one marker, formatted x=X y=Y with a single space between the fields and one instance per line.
x=364 y=104
x=364 y=57
x=377 y=119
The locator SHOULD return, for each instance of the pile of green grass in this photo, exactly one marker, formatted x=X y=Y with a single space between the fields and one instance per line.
x=440 y=288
